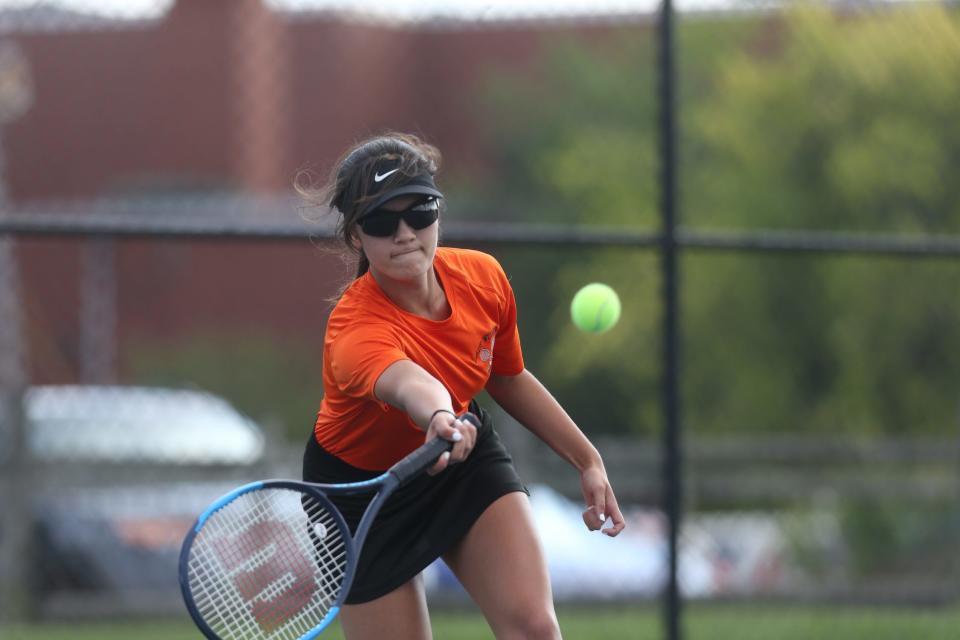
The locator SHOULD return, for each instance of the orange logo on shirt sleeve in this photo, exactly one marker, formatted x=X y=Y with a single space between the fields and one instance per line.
x=485 y=349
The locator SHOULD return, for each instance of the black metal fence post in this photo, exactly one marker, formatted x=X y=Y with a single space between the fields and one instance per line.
x=671 y=461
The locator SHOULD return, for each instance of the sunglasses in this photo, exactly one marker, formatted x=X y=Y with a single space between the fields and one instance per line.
x=382 y=223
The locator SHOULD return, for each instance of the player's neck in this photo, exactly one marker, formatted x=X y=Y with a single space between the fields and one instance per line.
x=423 y=296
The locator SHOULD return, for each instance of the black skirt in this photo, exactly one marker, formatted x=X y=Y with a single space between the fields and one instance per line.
x=421 y=520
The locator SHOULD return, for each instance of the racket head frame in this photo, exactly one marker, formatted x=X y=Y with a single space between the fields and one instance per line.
x=385 y=484
x=315 y=492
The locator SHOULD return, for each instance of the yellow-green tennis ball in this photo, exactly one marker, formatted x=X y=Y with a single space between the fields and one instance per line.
x=595 y=308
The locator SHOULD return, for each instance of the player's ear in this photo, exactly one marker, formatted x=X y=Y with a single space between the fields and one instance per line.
x=354 y=238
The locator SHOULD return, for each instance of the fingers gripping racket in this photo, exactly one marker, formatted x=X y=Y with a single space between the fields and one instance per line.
x=275 y=560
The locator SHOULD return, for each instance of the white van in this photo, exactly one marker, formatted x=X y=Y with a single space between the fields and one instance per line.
x=121 y=474
x=138 y=424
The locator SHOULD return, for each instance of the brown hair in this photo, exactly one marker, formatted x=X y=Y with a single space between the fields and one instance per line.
x=348 y=188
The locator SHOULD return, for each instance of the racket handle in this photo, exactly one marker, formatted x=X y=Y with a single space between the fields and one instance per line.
x=425 y=455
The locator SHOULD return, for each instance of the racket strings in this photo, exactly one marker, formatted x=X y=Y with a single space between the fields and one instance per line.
x=269 y=564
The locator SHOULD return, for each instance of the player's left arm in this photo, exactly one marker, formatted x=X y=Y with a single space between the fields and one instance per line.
x=533 y=406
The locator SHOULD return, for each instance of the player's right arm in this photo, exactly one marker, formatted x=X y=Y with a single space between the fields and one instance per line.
x=410 y=388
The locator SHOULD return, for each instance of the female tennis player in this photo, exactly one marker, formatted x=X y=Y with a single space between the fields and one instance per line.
x=413 y=338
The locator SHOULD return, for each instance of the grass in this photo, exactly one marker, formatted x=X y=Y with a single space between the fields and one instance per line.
x=703 y=622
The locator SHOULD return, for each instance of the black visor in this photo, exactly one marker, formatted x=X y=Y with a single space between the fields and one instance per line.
x=388 y=177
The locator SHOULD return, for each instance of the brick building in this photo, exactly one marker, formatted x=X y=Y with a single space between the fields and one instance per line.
x=225 y=97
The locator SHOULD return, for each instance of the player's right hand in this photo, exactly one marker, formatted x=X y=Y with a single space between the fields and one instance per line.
x=461 y=431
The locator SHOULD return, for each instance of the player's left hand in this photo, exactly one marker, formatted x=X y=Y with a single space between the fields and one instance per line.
x=600 y=501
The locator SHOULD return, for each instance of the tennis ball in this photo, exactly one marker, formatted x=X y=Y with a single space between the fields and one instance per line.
x=595 y=308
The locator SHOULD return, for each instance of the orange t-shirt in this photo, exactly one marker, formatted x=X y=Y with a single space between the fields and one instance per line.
x=367 y=332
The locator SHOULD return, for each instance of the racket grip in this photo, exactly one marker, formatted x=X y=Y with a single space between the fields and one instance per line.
x=425 y=455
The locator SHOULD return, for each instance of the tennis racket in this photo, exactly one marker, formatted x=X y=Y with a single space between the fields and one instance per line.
x=275 y=559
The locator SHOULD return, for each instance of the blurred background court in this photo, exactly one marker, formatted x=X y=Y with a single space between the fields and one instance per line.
x=163 y=293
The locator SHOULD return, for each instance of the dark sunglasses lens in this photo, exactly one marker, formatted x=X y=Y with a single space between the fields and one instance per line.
x=420 y=219
x=380 y=224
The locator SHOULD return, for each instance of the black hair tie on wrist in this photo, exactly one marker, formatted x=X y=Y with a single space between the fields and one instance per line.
x=434 y=415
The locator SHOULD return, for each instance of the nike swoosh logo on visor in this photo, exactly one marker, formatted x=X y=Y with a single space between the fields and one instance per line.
x=380 y=177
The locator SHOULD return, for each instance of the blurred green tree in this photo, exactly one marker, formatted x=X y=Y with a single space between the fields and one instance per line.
x=851 y=123
x=807 y=119
x=578 y=145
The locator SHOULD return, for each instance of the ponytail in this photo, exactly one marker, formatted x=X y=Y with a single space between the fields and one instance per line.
x=363 y=264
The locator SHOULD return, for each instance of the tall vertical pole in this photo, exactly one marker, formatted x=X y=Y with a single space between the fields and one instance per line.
x=671 y=464
x=15 y=468
x=15 y=483
x=14 y=464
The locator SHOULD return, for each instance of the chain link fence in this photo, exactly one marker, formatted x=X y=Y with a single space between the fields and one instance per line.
x=162 y=292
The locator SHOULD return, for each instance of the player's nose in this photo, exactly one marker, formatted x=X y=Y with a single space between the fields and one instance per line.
x=404 y=231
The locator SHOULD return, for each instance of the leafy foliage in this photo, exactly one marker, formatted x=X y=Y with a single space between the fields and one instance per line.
x=808 y=119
